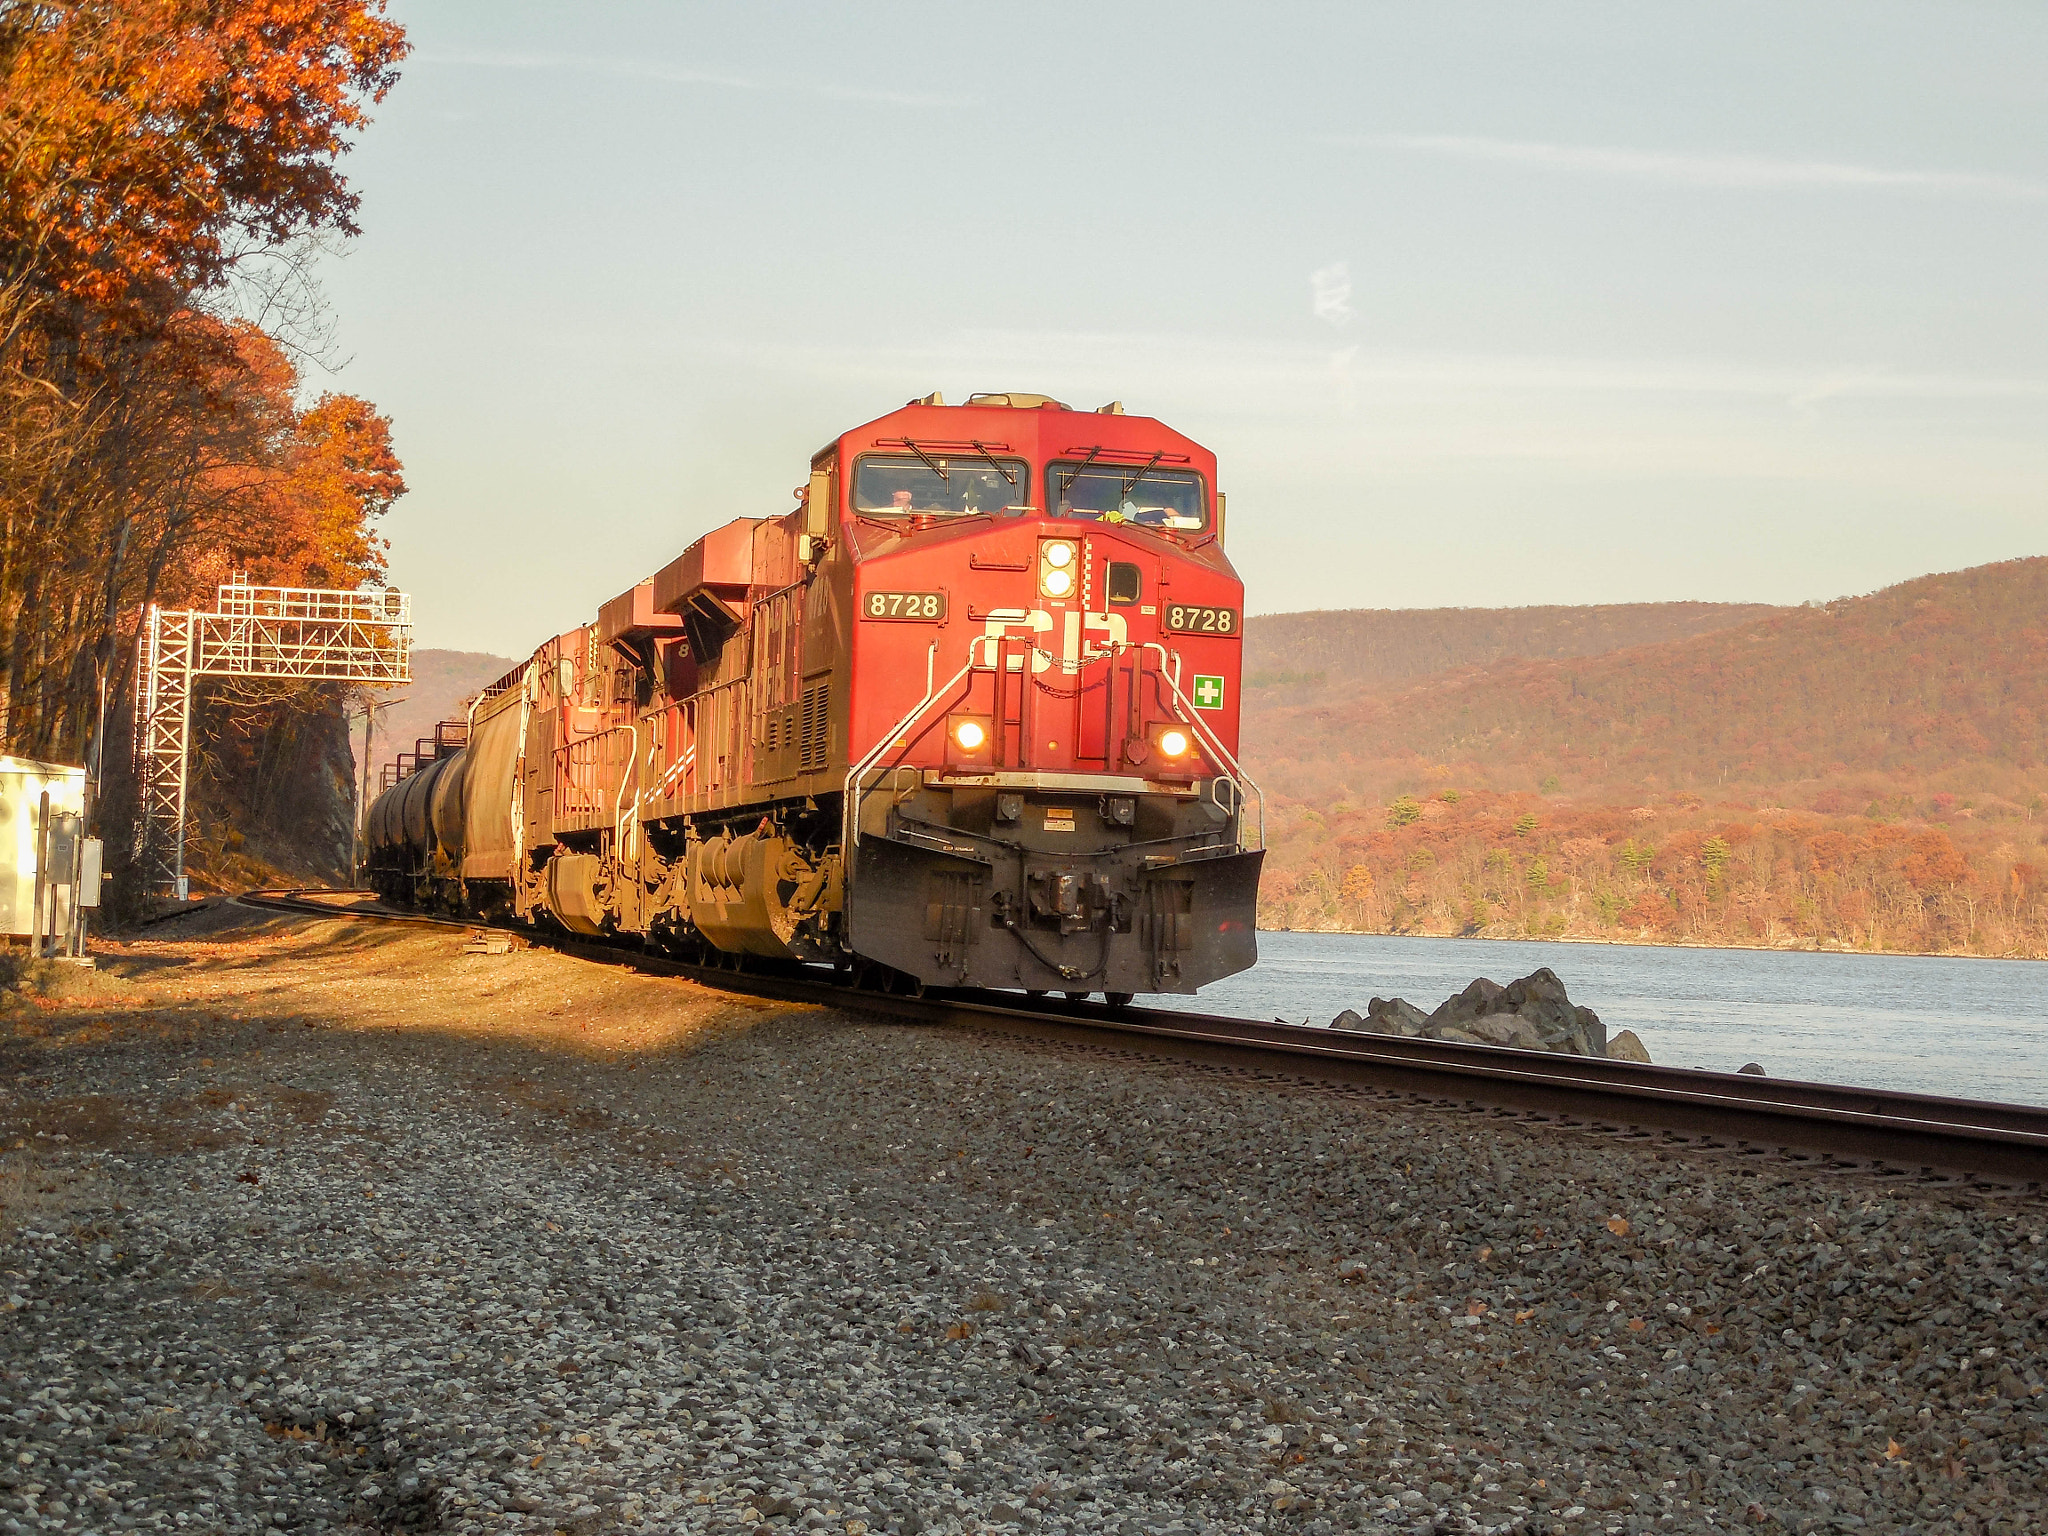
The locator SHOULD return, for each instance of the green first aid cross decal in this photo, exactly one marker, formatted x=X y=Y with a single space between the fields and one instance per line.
x=1208 y=691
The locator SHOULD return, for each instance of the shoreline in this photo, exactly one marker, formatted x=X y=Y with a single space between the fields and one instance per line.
x=1764 y=949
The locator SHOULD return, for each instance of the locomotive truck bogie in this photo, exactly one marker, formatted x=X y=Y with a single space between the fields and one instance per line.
x=760 y=893
x=966 y=716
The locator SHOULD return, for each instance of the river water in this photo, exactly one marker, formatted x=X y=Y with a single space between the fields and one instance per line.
x=1967 y=1028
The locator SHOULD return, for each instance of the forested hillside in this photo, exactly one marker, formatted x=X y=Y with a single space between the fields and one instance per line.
x=1870 y=773
x=1380 y=646
x=443 y=682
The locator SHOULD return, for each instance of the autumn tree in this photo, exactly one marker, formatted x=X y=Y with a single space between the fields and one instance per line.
x=167 y=169
x=155 y=146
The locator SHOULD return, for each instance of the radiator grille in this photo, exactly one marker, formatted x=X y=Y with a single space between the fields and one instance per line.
x=814 y=731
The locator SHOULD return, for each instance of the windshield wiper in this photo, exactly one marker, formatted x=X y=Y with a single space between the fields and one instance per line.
x=1141 y=474
x=929 y=462
x=1069 y=473
x=997 y=464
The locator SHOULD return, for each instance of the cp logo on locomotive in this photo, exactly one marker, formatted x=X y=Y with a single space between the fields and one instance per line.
x=1003 y=624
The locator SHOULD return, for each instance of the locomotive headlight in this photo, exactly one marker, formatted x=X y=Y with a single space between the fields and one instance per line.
x=970 y=735
x=1174 y=743
x=1057 y=559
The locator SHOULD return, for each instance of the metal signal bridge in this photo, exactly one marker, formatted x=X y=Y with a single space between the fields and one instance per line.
x=278 y=634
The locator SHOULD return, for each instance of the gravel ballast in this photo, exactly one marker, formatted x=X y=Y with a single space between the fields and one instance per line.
x=325 y=1227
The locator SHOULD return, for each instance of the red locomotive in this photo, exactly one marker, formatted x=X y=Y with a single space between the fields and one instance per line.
x=966 y=717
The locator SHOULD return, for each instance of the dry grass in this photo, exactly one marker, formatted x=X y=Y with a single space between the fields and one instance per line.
x=550 y=1101
x=221 y=969
x=32 y=1195
x=89 y=1120
x=351 y=1280
x=1280 y=1411
x=339 y=1446
x=156 y=1423
x=988 y=1301
x=223 y=982
x=305 y=1105
x=136 y=1123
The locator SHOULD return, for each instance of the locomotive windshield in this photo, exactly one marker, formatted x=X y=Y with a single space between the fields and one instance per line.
x=1154 y=498
x=940 y=485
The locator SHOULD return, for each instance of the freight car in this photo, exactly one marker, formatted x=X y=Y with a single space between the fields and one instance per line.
x=966 y=716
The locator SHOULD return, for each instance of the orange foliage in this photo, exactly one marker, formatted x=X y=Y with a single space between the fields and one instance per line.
x=150 y=142
x=301 y=490
x=1687 y=872
x=1935 y=863
x=160 y=162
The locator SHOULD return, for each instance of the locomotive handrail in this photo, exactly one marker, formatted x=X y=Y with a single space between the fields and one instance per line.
x=579 y=771
x=1169 y=665
x=723 y=730
x=849 y=831
x=623 y=820
x=518 y=806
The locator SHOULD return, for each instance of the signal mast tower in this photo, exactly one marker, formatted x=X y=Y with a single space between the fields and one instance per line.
x=281 y=634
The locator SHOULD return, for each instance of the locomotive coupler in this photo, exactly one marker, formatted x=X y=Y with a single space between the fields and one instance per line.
x=1077 y=900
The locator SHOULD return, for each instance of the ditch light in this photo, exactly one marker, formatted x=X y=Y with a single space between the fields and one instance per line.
x=969 y=740
x=1170 y=748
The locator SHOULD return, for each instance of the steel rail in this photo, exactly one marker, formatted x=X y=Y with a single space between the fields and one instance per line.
x=1903 y=1132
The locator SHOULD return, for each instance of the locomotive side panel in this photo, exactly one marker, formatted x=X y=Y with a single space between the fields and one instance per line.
x=826 y=662
x=758 y=876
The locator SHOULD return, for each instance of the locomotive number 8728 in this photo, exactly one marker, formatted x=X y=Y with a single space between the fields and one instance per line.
x=966 y=716
x=1201 y=621
x=904 y=605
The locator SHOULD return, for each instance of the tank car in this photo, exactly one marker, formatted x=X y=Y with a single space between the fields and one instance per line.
x=966 y=716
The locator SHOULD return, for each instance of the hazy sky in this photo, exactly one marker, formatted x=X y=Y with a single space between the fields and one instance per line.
x=1479 y=304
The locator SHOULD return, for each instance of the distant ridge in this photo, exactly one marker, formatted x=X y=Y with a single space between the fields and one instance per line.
x=1872 y=773
x=441 y=682
x=1382 y=646
x=1919 y=679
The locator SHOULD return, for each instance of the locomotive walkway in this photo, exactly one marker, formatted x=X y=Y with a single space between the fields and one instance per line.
x=326 y=1224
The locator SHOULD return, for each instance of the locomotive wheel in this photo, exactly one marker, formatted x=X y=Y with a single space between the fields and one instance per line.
x=1077 y=997
x=869 y=976
x=1118 y=999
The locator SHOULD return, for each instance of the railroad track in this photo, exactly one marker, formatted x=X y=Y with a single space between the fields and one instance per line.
x=1901 y=1135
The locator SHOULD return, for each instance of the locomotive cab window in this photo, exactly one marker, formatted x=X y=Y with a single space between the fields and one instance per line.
x=1125 y=583
x=940 y=485
x=1151 y=498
